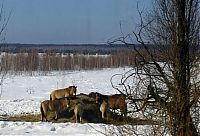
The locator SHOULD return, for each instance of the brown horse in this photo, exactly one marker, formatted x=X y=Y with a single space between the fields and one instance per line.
x=78 y=111
x=116 y=101
x=65 y=92
x=53 y=105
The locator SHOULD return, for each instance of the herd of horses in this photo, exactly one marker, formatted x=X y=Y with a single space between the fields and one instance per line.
x=60 y=99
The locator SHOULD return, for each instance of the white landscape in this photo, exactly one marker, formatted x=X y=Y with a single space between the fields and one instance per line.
x=22 y=95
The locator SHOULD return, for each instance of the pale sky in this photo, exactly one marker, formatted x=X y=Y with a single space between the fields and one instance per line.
x=70 y=21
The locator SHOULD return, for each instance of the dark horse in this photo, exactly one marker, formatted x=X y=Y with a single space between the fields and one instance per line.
x=65 y=92
x=116 y=101
x=53 y=105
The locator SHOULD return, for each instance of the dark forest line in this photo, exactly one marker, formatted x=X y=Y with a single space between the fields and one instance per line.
x=67 y=48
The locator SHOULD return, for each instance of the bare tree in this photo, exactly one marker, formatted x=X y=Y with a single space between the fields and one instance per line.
x=169 y=90
x=4 y=19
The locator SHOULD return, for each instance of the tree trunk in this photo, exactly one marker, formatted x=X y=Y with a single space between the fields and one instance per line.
x=183 y=124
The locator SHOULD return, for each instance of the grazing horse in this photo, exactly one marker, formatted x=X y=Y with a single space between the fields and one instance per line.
x=78 y=111
x=53 y=105
x=65 y=92
x=103 y=108
x=116 y=101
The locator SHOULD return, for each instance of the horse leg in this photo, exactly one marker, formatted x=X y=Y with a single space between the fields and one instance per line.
x=102 y=114
x=80 y=118
x=81 y=115
x=41 y=118
x=44 y=118
x=113 y=110
x=76 y=116
x=123 y=112
x=102 y=111
x=56 y=117
x=43 y=112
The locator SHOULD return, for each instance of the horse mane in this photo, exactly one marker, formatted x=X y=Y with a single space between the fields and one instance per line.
x=63 y=98
x=72 y=86
x=102 y=96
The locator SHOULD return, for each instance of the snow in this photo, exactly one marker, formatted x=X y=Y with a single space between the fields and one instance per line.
x=22 y=94
x=47 y=128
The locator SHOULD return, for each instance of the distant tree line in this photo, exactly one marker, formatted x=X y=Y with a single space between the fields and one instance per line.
x=66 y=48
x=31 y=60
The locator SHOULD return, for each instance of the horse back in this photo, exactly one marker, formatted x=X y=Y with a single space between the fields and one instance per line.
x=102 y=97
x=57 y=94
x=54 y=105
x=92 y=95
x=45 y=104
x=116 y=101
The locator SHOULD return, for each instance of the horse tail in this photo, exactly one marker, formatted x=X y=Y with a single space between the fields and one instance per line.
x=42 y=112
x=50 y=97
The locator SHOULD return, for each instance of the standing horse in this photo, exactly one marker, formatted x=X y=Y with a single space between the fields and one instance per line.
x=65 y=92
x=103 y=108
x=116 y=101
x=53 y=105
x=78 y=111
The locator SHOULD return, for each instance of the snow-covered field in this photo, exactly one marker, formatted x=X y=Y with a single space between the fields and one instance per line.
x=22 y=95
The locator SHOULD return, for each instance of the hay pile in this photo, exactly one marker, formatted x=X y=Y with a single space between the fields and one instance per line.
x=91 y=112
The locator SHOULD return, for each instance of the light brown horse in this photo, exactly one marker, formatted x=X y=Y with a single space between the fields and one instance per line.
x=116 y=101
x=78 y=111
x=53 y=105
x=65 y=92
x=104 y=108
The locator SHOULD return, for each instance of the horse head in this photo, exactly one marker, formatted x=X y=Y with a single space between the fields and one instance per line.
x=72 y=90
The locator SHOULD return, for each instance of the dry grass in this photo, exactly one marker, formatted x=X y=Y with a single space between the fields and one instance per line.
x=112 y=119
